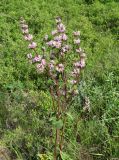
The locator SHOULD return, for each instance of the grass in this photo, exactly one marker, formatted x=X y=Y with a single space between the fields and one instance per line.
x=23 y=113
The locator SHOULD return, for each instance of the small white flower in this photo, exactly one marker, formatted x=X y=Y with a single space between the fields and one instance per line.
x=25 y=31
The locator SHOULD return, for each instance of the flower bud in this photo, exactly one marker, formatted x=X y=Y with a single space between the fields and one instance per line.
x=86 y=106
x=29 y=56
x=82 y=63
x=46 y=37
x=58 y=20
x=61 y=28
x=77 y=33
x=82 y=55
x=43 y=62
x=77 y=41
x=40 y=67
x=64 y=37
x=79 y=50
x=24 y=26
x=25 y=31
x=51 y=65
x=22 y=21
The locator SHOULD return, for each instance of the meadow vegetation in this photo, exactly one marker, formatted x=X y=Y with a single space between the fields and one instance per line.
x=26 y=128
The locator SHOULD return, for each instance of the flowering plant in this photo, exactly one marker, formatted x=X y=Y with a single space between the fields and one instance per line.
x=53 y=61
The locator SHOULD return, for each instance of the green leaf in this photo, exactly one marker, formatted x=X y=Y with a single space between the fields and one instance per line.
x=57 y=124
x=65 y=156
x=70 y=116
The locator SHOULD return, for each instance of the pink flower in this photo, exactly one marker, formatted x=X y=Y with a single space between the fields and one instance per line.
x=37 y=58
x=43 y=62
x=58 y=38
x=77 y=33
x=32 y=45
x=29 y=56
x=77 y=41
x=64 y=37
x=50 y=43
x=65 y=48
x=54 y=32
x=73 y=81
x=61 y=27
x=82 y=63
x=28 y=37
x=57 y=44
x=60 y=67
x=77 y=64
x=61 y=37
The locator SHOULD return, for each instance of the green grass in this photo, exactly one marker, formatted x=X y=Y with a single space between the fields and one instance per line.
x=23 y=113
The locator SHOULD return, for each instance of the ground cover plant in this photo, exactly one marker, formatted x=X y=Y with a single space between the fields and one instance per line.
x=25 y=102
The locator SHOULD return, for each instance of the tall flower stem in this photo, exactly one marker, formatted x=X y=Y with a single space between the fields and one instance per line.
x=57 y=138
x=62 y=134
x=64 y=111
